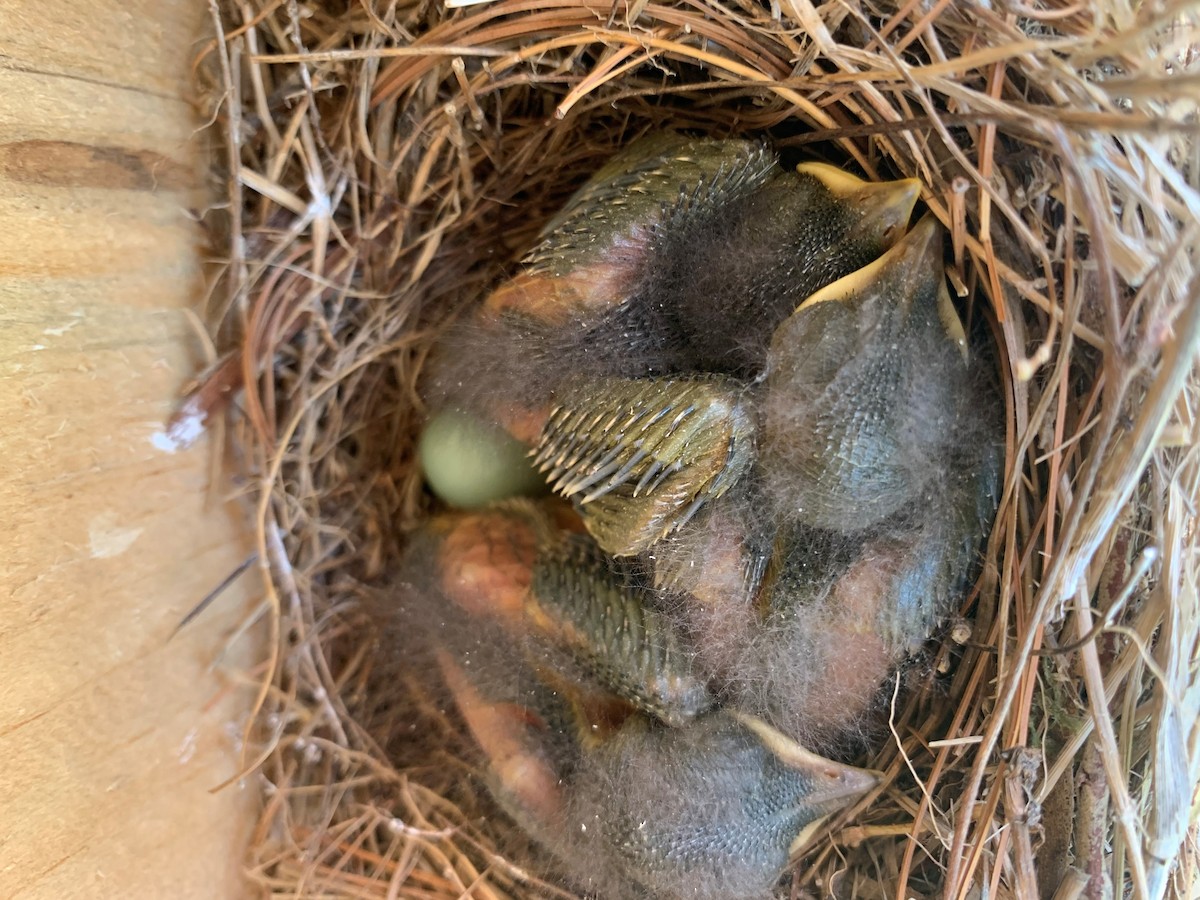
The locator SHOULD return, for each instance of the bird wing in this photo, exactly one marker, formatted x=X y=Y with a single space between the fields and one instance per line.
x=664 y=176
x=641 y=456
x=594 y=608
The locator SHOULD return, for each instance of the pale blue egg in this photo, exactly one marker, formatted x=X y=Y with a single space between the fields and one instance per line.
x=470 y=463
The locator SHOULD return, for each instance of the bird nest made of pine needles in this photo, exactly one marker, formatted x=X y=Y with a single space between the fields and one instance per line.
x=386 y=163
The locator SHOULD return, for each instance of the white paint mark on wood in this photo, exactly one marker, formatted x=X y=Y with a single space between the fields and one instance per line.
x=107 y=539
x=61 y=329
x=183 y=431
x=188 y=748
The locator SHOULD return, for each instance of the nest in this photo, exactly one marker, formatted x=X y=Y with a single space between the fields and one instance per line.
x=385 y=162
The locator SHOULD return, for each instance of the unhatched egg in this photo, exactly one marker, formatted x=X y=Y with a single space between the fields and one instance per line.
x=470 y=463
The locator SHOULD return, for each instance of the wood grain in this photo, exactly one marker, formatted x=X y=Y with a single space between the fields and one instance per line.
x=111 y=732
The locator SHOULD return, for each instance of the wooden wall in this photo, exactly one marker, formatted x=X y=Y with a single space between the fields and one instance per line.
x=111 y=735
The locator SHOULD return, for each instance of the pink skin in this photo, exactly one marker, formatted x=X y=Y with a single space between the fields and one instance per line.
x=486 y=561
x=586 y=291
x=861 y=659
x=827 y=669
x=502 y=731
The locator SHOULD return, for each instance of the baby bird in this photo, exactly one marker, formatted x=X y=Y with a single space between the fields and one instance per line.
x=668 y=272
x=874 y=479
x=804 y=630
x=681 y=255
x=678 y=244
x=707 y=812
x=867 y=391
x=756 y=392
x=524 y=568
x=628 y=806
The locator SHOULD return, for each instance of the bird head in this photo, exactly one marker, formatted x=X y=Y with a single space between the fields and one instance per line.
x=879 y=210
x=710 y=811
x=867 y=381
x=630 y=807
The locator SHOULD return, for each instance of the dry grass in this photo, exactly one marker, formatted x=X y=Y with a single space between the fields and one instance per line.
x=385 y=162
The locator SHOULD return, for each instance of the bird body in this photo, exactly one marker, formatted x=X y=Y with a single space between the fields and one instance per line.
x=707 y=812
x=552 y=593
x=874 y=477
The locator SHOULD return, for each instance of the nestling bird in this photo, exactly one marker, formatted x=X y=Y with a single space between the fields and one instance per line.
x=817 y=525
x=628 y=806
x=523 y=568
x=868 y=391
x=805 y=629
x=808 y=528
x=684 y=254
